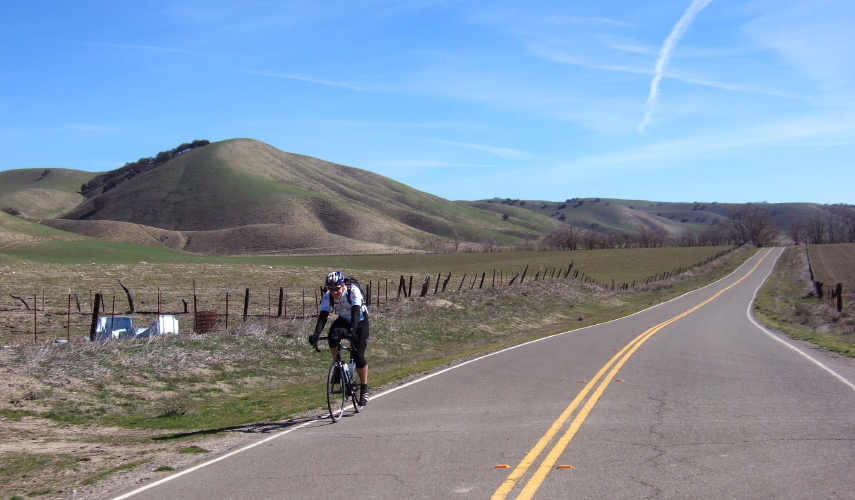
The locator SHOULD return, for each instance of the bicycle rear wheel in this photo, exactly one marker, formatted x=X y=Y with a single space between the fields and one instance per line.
x=355 y=395
x=335 y=392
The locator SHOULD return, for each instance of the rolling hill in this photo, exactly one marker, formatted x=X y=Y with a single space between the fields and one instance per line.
x=244 y=197
x=42 y=193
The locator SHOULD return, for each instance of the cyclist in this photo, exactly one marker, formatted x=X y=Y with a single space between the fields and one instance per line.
x=352 y=318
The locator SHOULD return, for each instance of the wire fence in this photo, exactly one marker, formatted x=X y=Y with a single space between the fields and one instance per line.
x=51 y=315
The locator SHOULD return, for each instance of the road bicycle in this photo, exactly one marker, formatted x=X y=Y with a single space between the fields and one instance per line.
x=341 y=384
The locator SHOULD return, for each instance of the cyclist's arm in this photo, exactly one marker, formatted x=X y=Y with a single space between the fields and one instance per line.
x=354 y=318
x=322 y=320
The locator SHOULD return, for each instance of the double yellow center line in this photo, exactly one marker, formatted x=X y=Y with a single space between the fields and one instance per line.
x=612 y=368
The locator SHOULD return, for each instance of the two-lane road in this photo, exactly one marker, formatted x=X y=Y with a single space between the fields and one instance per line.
x=689 y=399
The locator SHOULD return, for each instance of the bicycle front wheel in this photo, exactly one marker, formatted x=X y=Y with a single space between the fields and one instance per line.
x=335 y=392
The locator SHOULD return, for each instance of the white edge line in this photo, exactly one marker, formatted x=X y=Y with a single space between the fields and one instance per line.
x=783 y=341
x=389 y=391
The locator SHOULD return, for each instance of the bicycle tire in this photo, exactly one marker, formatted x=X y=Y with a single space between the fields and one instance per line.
x=355 y=396
x=335 y=394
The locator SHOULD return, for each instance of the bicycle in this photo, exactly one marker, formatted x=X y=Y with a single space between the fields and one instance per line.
x=340 y=388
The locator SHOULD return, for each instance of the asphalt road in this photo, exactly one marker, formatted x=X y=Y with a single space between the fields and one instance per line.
x=688 y=399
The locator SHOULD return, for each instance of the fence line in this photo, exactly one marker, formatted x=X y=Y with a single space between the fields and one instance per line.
x=210 y=309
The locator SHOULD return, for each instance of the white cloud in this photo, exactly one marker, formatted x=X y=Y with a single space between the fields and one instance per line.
x=431 y=164
x=291 y=76
x=507 y=153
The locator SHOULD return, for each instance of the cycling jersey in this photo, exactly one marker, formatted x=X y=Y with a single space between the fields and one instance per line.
x=349 y=298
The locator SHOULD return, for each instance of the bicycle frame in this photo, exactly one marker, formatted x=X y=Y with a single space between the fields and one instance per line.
x=338 y=391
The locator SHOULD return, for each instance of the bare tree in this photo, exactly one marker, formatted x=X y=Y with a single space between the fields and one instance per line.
x=529 y=238
x=816 y=227
x=489 y=244
x=457 y=238
x=796 y=229
x=564 y=236
x=751 y=224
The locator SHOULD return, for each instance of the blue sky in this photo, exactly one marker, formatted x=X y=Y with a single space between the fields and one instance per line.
x=673 y=100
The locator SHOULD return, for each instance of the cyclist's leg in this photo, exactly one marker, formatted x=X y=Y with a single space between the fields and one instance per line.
x=362 y=331
x=334 y=343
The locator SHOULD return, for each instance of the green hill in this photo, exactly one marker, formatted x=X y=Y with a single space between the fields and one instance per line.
x=242 y=196
x=41 y=193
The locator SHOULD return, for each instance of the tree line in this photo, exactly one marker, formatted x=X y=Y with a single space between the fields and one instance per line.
x=746 y=224
x=113 y=178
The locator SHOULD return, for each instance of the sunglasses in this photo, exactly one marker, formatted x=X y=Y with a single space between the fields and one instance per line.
x=334 y=288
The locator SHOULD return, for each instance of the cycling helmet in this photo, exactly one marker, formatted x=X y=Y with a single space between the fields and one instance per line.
x=334 y=278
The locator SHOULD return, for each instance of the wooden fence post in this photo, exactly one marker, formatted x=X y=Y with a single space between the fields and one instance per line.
x=425 y=286
x=36 y=318
x=281 y=297
x=246 y=305
x=130 y=297
x=96 y=308
x=68 y=320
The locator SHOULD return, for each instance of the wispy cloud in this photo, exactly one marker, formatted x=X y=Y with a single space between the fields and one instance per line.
x=665 y=56
x=432 y=164
x=147 y=48
x=811 y=130
x=291 y=76
x=508 y=153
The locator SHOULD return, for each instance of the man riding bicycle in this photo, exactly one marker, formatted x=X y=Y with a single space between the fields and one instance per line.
x=352 y=320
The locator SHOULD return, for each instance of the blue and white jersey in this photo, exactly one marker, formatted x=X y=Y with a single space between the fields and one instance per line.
x=351 y=297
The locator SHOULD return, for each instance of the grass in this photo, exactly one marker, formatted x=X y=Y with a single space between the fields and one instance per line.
x=786 y=304
x=37 y=470
x=193 y=449
x=101 y=475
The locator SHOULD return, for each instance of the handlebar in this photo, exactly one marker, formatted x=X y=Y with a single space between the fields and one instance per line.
x=348 y=337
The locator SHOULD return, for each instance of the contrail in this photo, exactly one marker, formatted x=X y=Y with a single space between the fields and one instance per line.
x=665 y=55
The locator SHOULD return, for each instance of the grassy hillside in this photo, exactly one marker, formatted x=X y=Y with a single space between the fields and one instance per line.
x=675 y=218
x=242 y=196
x=41 y=193
x=17 y=233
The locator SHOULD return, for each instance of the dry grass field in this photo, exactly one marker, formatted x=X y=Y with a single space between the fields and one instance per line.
x=55 y=300
x=834 y=264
